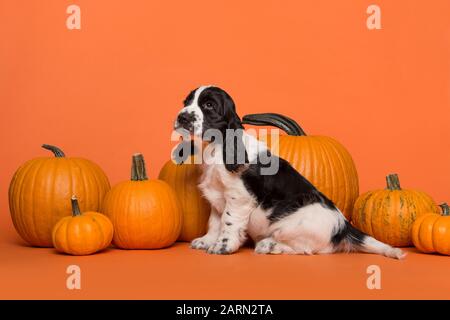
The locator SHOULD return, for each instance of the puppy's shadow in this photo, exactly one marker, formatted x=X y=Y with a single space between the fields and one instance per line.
x=99 y=253
x=18 y=242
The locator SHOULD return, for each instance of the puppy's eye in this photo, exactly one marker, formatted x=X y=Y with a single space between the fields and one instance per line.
x=209 y=105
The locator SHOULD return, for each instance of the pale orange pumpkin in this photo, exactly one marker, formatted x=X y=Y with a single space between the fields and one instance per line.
x=145 y=213
x=183 y=178
x=40 y=188
x=431 y=232
x=82 y=233
x=388 y=214
x=320 y=159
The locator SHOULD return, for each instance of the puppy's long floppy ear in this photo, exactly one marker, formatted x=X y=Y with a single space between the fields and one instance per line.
x=230 y=115
x=234 y=153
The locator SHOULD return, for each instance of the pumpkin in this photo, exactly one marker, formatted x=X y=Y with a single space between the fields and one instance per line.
x=183 y=178
x=431 y=232
x=40 y=188
x=145 y=213
x=82 y=233
x=388 y=215
x=320 y=159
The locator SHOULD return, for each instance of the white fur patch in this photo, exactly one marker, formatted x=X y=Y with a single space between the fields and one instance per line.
x=308 y=230
x=194 y=108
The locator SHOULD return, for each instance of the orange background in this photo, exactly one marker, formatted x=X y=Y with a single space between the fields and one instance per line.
x=114 y=87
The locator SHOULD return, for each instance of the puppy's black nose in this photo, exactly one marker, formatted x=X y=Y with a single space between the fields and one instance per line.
x=185 y=118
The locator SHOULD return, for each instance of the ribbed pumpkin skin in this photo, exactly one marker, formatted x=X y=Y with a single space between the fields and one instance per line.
x=388 y=215
x=82 y=235
x=145 y=214
x=325 y=163
x=183 y=178
x=431 y=233
x=40 y=191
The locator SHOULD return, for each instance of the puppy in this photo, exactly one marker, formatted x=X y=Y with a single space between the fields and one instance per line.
x=281 y=211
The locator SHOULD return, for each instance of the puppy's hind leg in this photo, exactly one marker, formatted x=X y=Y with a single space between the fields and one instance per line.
x=271 y=246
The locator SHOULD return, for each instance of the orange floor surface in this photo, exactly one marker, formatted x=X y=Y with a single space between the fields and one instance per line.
x=179 y=272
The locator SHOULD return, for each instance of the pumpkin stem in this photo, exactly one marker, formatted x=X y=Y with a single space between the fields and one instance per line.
x=392 y=181
x=445 y=209
x=284 y=123
x=138 y=171
x=75 y=207
x=56 y=151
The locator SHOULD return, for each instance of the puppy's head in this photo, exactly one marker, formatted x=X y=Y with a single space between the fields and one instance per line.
x=207 y=107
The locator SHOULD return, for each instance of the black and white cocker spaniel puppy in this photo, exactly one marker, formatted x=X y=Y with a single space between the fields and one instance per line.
x=278 y=208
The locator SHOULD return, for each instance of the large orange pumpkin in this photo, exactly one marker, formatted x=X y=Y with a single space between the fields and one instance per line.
x=388 y=214
x=40 y=190
x=145 y=213
x=431 y=232
x=183 y=178
x=82 y=233
x=320 y=159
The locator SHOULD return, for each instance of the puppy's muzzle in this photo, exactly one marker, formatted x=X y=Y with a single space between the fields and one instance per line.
x=185 y=120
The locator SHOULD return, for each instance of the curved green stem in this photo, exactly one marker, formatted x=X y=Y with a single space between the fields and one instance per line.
x=138 y=170
x=75 y=207
x=56 y=151
x=392 y=181
x=284 y=123
x=445 y=209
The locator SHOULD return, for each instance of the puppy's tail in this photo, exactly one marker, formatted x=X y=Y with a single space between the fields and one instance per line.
x=351 y=239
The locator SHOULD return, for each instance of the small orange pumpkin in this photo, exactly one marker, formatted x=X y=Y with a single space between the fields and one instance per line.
x=40 y=188
x=183 y=178
x=320 y=159
x=388 y=215
x=431 y=232
x=145 y=213
x=82 y=233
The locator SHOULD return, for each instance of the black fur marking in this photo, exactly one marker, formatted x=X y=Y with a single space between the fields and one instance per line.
x=189 y=98
x=234 y=153
x=227 y=213
x=349 y=233
x=223 y=249
x=272 y=246
x=222 y=115
x=219 y=112
x=284 y=192
x=228 y=223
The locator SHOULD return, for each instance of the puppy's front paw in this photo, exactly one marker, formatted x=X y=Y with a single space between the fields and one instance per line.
x=202 y=243
x=223 y=246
